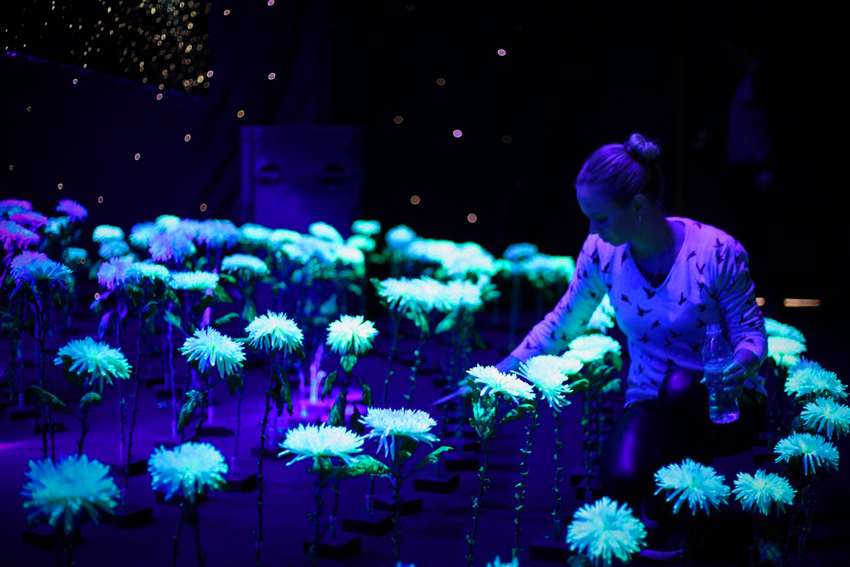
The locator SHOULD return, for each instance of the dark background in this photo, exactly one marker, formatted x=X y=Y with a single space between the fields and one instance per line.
x=575 y=75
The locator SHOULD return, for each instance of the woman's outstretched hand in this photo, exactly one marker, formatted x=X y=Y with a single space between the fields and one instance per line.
x=744 y=364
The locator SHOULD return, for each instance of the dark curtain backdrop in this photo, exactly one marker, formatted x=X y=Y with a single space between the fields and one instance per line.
x=575 y=75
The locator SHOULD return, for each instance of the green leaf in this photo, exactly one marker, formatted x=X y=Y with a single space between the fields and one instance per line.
x=225 y=319
x=361 y=465
x=357 y=425
x=220 y=295
x=234 y=382
x=249 y=311
x=328 y=383
x=203 y=303
x=90 y=399
x=43 y=398
x=347 y=361
x=328 y=308
x=430 y=458
x=337 y=415
x=194 y=400
x=285 y=395
x=226 y=278
x=367 y=394
x=770 y=552
x=173 y=320
x=446 y=324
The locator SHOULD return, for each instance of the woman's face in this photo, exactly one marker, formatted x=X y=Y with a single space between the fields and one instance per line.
x=615 y=224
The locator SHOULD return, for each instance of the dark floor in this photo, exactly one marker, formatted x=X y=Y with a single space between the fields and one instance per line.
x=434 y=536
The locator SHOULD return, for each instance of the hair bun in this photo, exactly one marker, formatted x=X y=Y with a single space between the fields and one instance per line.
x=642 y=149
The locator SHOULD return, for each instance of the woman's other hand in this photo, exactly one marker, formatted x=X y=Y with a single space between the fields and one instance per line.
x=744 y=364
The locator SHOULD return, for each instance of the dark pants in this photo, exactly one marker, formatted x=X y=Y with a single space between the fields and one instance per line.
x=653 y=433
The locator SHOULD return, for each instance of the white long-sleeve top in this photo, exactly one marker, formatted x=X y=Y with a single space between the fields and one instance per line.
x=666 y=325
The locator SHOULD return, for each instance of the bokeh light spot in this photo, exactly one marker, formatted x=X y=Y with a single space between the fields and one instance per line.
x=441 y=81
x=187 y=137
x=506 y=139
x=240 y=114
x=137 y=157
x=457 y=133
x=159 y=96
x=96 y=295
x=59 y=186
x=227 y=12
x=471 y=217
x=414 y=199
x=501 y=52
x=398 y=119
x=203 y=207
x=272 y=76
x=100 y=199
x=74 y=81
x=11 y=167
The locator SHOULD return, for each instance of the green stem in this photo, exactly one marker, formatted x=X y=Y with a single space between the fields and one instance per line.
x=390 y=358
x=556 y=488
x=260 y=476
x=417 y=360
x=476 y=503
x=524 y=468
x=397 y=536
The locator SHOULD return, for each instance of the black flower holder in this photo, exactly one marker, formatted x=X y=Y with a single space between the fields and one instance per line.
x=489 y=413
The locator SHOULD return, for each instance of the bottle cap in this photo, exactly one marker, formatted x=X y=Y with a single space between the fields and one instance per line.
x=713 y=330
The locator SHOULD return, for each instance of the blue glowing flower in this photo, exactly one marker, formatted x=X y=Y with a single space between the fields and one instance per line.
x=95 y=360
x=212 y=349
x=168 y=222
x=193 y=281
x=362 y=242
x=148 y=271
x=192 y=467
x=9 y=206
x=107 y=232
x=761 y=491
x=16 y=237
x=173 y=245
x=390 y=423
x=245 y=263
x=36 y=269
x=321 y=441
x=218 y=234
x=366 y=227
x=281 y=236
x=400 y=237
x=140 y=234
x=254 y=234
x=274 y=332
x=75 y=211
x=461 y=294
x=30 y=219
x=112 y=249
x=60 y=492
x=697 y=484
x=351 y=335
x=113 y=273
x=56 y=226
x=544 y=270
x=73 y=256
x=813 y=450
x=606 y=529
x=520 y=252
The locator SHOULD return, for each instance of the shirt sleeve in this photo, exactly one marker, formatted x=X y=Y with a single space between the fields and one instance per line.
x=736 y=296
x=570 y=316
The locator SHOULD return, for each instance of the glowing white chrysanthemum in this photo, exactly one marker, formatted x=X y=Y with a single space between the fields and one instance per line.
x=593 y=348
x=366 y=227
x=245 y=263
x=172 y=246
x=462 y=293
x=40 y=270
x=280 y=236
x=60 y=492
x=326 y=232
x=351 y=334
x=430 y=294
x=399 y=237
x=57 y=226
x=310 y=248
x=148 y=271
x=95 y=360
x=784 y=351
x=606 y=529
x=761 y=491
x=349 y=256
x=387 y=424
x=190 y=467
x=274 y=332
x=254 y=234
x=112 y=274
x=813 y=450
x=30 y=219
x=774 y=328
x=468 y=258
x=73 y=256
x=321 y=441
x=75 y=211
x=543 y=269
x=361 y=242
x=218 y=234
x=16 y=237
x=193 y=281
x=212 y=349
x=603 y=316
x=697 y=484
x=825 y=413
x=141 y=234
x=497 y=562
x=492 y=381
x=168 y=222
x=107 y=232
x=550 y=375
x=808 y=378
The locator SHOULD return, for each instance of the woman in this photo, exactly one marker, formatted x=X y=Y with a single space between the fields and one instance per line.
x=667 y=278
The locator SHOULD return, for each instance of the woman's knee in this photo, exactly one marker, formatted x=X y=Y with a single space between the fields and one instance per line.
x=683 y=389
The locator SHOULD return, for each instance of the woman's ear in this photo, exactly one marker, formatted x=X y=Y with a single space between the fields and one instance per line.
x=639 y=202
